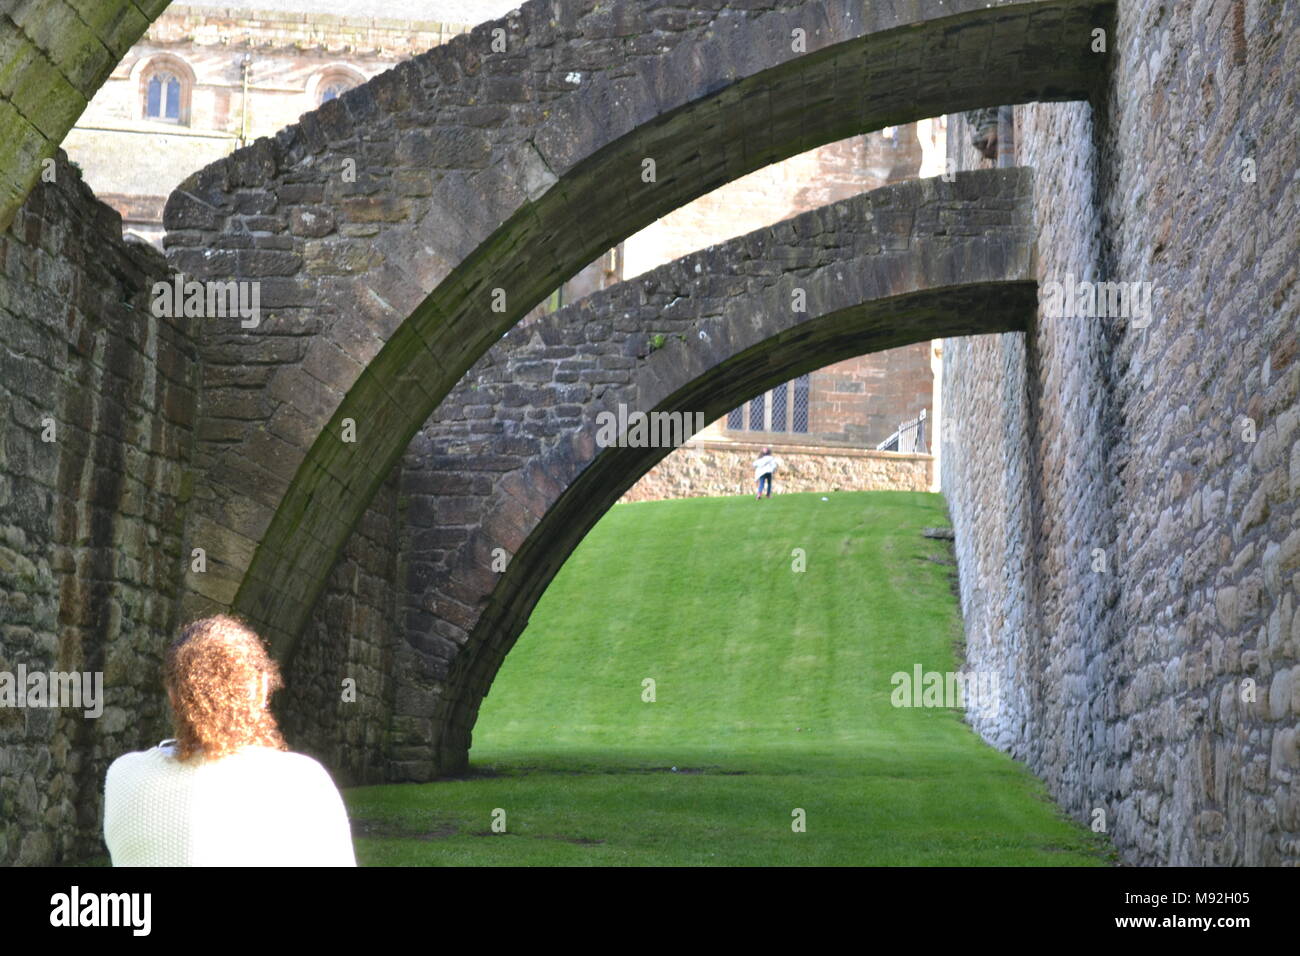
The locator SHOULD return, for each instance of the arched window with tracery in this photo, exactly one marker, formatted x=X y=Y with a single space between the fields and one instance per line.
x=165 y=88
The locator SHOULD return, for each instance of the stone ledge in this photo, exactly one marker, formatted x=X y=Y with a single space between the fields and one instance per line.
x=710 y=469
x=792 y=448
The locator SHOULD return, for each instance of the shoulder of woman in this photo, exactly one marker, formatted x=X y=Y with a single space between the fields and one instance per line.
x=136 y=760
x=124 y=762
x=299 y=765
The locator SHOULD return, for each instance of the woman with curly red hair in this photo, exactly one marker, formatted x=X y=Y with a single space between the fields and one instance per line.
x=226 y=791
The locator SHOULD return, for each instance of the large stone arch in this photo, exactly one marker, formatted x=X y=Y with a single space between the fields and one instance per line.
x=510 y=459
x=478 y=171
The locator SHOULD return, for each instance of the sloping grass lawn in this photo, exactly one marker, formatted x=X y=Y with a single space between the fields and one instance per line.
x=771 y=695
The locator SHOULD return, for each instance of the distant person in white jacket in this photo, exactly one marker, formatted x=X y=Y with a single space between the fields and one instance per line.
x=764 y=468
x=226 y=791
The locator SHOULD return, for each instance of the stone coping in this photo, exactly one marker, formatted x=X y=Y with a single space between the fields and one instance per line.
x=778 y=448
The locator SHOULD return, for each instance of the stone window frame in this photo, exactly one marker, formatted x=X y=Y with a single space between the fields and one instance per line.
x=801 y=404
x=740 y=420
x=150 y=66
x=324 y=78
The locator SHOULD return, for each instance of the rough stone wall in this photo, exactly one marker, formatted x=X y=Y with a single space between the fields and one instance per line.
x=987 y=491
x=1162 y=690
x=1027 y=421
x=339 y=687
x=91 y=522
x=702 y=468
x=1208 y=531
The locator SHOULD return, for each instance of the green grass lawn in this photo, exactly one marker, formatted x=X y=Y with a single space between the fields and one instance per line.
x=772 y=693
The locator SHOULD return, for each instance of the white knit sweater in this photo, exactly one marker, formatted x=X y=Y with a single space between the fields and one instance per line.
x=256 y=807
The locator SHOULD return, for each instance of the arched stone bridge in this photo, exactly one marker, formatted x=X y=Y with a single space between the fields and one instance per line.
x=386 y=226
x=511 y=458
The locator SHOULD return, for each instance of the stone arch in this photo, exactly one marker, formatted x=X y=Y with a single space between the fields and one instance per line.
x=510 y=459
x=477 y=171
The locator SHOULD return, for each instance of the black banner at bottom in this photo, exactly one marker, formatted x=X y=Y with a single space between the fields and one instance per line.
x=349 y=907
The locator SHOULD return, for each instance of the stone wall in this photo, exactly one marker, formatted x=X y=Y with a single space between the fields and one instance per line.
x=702 y=468
x=862 y=401
x=340 y=688
x=1125 y=498
x=91 y=520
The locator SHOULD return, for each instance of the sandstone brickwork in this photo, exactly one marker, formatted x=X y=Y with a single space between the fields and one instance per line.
x=704 y=468
x=1129 y=556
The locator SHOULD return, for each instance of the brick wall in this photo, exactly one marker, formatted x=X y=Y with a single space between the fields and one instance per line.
x=862 y=401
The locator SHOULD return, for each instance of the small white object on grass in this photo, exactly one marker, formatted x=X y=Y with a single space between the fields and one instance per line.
x=824 y=498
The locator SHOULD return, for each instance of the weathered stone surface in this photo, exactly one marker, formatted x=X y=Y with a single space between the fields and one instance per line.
x=525 y=193
x=1095 y=444
x=91 y=520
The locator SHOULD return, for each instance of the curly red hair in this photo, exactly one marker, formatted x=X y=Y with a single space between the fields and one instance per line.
x=214 y=673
